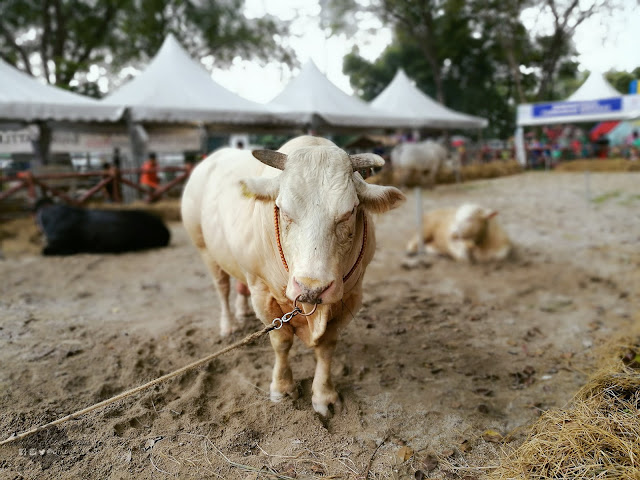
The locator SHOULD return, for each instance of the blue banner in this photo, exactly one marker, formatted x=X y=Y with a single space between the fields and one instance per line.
x=588 y=107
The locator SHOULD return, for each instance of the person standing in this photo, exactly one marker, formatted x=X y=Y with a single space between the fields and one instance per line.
x=149 y=177
x=634 y=151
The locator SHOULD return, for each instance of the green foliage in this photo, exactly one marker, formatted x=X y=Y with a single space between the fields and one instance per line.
x=607 y=196
x=270 y=141
x=621 y=80
x=473 y=75
x=60 y=39
x=475 y=55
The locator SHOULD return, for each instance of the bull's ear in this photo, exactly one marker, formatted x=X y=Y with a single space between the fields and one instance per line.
x=377 y=198
x=260 y=188
x=360 y=161
x=270 y=157
x=489 y=213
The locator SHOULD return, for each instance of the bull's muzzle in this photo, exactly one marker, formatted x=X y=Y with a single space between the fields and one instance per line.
x=309 y=290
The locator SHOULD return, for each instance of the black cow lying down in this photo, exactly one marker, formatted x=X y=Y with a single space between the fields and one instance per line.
x=71 y=230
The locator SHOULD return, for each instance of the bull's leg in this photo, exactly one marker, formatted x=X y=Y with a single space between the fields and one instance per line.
x=243 y=309
x=412 y=245
x=267 y=309
x=433 y=175
x=460 y=250
x=223 y=286
x=282 y=381
x=323 y=392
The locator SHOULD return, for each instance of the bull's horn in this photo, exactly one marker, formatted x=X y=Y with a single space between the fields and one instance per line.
x=366 y=160
x=270 y=157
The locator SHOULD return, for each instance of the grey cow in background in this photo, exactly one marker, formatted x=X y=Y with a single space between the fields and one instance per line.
x=419 y=162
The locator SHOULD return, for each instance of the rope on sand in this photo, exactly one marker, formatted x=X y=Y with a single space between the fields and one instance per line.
x=245 y=341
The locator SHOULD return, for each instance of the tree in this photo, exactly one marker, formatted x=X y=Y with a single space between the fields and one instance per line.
x=499 y=21
x=553 y=48
x=471 y=73
x=60 y=40
x=621 y=80
x=425 y=23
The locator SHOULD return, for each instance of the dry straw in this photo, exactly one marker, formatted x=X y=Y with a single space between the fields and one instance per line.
x=599 y=165
x=447 y=175
x=597 y=436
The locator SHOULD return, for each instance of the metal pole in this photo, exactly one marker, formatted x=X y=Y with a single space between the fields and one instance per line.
x=587 y=186
x=418 y=193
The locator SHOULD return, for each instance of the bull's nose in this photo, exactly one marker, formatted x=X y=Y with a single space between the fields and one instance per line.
x=309 y=290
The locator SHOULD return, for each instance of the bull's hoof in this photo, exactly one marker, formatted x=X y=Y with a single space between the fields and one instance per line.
x=277 y=394
x=327 y=405
x=229 y=328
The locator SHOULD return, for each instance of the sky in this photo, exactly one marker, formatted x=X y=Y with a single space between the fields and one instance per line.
x=602 y=43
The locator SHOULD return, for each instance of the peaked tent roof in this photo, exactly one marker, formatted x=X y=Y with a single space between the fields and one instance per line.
x=596 y=100
x=175 y=88
x=311 y=98
x=594 y=87
x=401 y=95
x=24 y=98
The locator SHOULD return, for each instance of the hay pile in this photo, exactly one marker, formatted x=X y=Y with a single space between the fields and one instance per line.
x=597 y=436
x=167 y=209
x=480 y=171
x=20 y=236
x=599 y=165
x=447 y=174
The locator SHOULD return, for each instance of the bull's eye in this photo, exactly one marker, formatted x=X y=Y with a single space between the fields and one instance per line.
x=348 y=215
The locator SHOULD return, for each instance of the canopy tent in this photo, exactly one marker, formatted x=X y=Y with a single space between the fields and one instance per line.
x=596 y=100
x=402 y=96
x=313 y=100
x=25 y=99
x=595 y=86
x=601 y=129
x=174 y=88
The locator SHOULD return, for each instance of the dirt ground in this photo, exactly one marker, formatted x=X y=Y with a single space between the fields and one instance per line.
x=443 y=360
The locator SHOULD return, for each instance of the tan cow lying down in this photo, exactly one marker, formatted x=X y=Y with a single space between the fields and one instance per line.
x=468 y=233
x=231 y=206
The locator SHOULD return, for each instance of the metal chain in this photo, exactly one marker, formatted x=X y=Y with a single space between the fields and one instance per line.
x=286 y=318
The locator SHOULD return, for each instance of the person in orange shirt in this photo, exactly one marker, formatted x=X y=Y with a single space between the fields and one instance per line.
x=149 y=175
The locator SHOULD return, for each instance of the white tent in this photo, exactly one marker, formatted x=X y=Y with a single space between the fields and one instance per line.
x=174 y=88
x=595 y=101
x=402 y=97
x=25 y=99
x=595 y=86
x=313 y=100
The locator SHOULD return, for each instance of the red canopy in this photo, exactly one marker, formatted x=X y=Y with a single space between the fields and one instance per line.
x=601 y=129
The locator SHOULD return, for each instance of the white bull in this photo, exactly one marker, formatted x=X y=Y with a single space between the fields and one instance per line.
x=467 y=233
x=233 y=207
x=417 y=160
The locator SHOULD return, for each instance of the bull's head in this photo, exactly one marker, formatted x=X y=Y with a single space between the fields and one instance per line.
x=471 y=222
x=320 y=197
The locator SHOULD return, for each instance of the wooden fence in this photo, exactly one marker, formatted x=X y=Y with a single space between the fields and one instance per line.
x=111 y=181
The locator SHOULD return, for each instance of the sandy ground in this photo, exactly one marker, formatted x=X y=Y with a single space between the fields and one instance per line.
x=439 y=355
